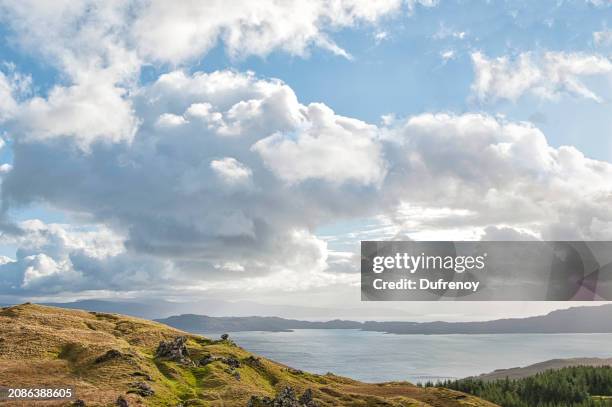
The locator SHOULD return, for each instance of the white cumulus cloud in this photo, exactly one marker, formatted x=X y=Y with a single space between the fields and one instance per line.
x=231 y=170
x=546 y=76
x=180 y=31
x=330 y=147
x=100 y=47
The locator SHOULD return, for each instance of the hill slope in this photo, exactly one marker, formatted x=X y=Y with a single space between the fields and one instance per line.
x=553 y=364
x=105 y=356
x=576 y=386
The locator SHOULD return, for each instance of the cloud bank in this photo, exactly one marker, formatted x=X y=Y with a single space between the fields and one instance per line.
x=234 y=186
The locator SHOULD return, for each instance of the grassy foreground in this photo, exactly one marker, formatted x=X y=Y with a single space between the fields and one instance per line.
x=105 y=356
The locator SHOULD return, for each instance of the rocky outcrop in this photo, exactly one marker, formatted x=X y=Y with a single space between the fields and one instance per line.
x=142 y=389
x=286 y=398
x=307 y=400
x=143 y=375
x=174 y=350
x=109 y=355
x=206 y=360
x=254 y=362
x=231 y=362
x=122 y=402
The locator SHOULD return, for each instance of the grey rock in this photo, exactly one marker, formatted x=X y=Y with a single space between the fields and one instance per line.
x=143 y=375
x=286 y=398
x=257 y=401
x=142 y=389
x=307 y=400
x=253 y=361
x=206 y=360
x=231 y=362
x=174 y=350
x=109 y=355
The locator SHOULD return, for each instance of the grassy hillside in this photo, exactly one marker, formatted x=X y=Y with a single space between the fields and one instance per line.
x=531 y=370
x=105 y=356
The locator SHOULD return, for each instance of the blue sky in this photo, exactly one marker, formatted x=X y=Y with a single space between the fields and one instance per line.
x=405 y=74
x=157 y=150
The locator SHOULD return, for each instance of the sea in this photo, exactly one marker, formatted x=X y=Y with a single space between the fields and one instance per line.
x=377 y=357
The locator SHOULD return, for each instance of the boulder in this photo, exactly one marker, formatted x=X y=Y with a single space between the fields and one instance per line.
x=257 y=401
x=122 y=402
x=109 y=355
x=206 y=360
x=286 y=398
x=174 y=350
x=142 y=389
x=231 y=362
x=254 y=362
x=307 y=400
x=143 y=375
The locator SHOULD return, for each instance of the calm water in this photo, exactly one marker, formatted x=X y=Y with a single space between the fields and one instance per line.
x=374 y=356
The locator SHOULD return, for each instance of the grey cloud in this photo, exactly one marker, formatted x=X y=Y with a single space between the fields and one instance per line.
x=495 y=233
x=178 y=220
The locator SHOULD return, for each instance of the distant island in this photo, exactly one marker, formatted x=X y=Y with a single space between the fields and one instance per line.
x=587 y=319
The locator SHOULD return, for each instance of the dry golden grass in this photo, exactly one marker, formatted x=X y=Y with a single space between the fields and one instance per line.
x=46 y=346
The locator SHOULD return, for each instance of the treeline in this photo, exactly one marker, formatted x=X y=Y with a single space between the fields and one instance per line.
x=579 y=386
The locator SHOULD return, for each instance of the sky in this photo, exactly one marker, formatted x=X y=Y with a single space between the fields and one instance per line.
x=240 y=150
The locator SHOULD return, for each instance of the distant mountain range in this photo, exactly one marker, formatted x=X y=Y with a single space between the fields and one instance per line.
x=215 y=307
x=203 y=323
x=588 y=319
